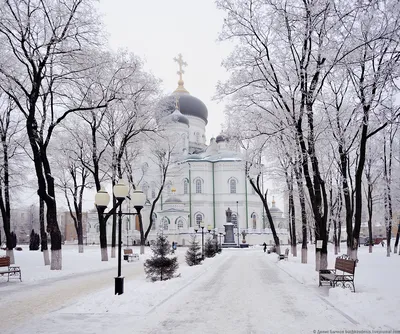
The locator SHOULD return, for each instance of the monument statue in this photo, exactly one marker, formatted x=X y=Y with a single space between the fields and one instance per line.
x=228 y=215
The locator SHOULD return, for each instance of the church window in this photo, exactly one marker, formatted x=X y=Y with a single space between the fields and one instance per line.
x=180 y=223
x=145 y=189
x=234 y=219
x=145 y=167
x=232 y=186
x=198 y=186
x=185 y=187
x=254 y=218
x=169 y=187
x=164 y=223
x=154 y=219
x=199 y=219
x=98 y=228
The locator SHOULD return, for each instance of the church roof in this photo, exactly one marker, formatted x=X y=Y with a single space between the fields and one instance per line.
x=177 y=116
x=173 y=199
x=220 y=156
x=188 y=105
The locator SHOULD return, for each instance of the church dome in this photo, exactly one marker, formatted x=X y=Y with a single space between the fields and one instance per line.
x=221 y=137
x=190 y=105
x=173 y=199
x=177 y=116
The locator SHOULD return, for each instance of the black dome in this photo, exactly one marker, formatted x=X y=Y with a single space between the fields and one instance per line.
x=188 y=105
x=221 y=137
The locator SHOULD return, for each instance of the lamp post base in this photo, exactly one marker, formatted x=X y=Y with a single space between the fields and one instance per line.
x=119 y=285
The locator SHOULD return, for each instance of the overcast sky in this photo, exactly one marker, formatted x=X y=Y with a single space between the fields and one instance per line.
x=158 y=30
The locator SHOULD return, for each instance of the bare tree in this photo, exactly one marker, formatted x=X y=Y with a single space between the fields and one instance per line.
x=10 y=133
x=43 y=41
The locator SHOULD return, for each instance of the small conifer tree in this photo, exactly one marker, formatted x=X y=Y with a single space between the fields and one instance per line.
x=159 y=266
x=210 y=248
x=34 y=241
x=193 y=254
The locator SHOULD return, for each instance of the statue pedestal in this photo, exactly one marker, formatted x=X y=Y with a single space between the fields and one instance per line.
x=229 y=238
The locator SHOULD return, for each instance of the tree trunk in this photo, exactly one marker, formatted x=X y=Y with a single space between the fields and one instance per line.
x=300 y=190
x=396 y=243
x=43 y=234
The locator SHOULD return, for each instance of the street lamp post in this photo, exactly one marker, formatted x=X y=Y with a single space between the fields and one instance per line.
x=102 y=198
x=202 y=239
x=237 y=221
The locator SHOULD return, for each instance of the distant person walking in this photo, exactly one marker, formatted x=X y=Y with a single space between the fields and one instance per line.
x=265 y=247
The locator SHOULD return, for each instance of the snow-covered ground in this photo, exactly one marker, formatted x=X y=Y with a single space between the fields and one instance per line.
x=238 y=291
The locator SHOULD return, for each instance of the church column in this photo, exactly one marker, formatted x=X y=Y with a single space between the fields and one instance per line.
x=213 y=184
x=190 y=195
x=247 y=204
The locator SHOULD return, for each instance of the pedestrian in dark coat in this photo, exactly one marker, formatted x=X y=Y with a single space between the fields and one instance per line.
x=265 y=247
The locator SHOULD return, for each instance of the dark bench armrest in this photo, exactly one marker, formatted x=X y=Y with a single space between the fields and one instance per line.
x=327 y=271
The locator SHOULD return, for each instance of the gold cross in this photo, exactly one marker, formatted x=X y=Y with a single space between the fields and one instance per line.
x=181 y=63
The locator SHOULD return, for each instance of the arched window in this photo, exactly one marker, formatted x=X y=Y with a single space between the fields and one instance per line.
x=199 y=219
x=254 y=218
x=185 y=187
x=154 y=219
x=234 y=219
x=198 y=186
x=145 y=167
x=168 y=187
x=128 y=224
x=179 y=223
x=145 y=189
x=165 y=223
x=98 y=228
x=232 y=186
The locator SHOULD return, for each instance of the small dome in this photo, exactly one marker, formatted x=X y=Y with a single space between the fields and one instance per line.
x=173 y=199
x=221 y=137
x=177 y=116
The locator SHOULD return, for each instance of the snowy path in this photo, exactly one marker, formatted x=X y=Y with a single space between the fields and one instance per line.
x=19 y=305
x=244 y=292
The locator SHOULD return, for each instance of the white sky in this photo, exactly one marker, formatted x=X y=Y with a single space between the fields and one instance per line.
x=158 y=30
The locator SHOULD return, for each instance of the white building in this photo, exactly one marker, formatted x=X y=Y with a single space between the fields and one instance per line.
x=203 y=182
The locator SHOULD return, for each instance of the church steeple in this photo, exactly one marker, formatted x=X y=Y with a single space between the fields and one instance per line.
x=181 y=63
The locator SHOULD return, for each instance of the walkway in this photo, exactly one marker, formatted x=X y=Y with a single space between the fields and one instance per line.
x=245 y=293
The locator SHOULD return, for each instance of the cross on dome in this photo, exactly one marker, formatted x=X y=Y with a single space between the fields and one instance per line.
x=181 y=63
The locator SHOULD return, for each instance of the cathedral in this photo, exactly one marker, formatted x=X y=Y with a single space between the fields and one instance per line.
x=202 y=184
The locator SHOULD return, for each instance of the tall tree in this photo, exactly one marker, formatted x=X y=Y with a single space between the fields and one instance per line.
x=10 y=133
x=43 y=41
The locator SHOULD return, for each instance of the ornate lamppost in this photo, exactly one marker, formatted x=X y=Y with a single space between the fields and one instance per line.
x=102 y=198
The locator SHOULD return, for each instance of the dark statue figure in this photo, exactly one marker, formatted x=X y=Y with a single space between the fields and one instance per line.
x=228 y=215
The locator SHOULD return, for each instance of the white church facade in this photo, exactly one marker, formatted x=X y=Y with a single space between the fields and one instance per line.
x=203 y=182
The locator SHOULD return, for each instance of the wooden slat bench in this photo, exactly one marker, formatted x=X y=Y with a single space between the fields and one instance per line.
x=284 y=256
x=332 y=277
x=11 y=271
x=130 y=256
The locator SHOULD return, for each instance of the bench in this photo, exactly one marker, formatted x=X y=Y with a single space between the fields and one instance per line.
x=11 y=271
x=284 y=256
x=130 y=256
x=332 y=277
